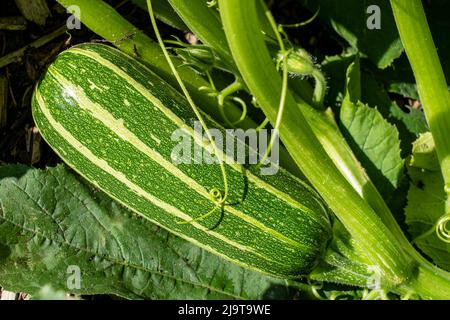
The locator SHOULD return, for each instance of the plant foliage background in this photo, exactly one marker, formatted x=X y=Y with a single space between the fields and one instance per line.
x=51 y=219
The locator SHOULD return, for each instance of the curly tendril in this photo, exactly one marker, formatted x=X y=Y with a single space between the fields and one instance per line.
x=225 y=96
x=217 y=197
x=316 y=287
x=442 y=228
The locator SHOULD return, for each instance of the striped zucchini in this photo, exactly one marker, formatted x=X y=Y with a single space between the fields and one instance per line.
x=111 y=120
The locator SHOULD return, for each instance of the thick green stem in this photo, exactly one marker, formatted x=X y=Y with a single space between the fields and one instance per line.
x=330 y=137
x=431 y=83
x=428 y=282
x=232 y=88
x=240 y=23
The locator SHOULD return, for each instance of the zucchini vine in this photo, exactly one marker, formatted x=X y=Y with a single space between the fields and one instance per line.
x=231 y=32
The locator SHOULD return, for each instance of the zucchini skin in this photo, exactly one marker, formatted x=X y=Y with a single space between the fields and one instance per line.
x=111 y=120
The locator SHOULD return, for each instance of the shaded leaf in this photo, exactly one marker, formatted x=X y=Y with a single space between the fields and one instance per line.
x=51 y=224
x=414 y=120
x=372 y=93
x=410 y=122
x=399 y=78
x=34 y=10
x=349 y=19
x=335 y=68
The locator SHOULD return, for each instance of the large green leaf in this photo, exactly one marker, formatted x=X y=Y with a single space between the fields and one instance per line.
x=375 y=142
x=409 y=122
x=426 y=201
x=50 y=221
x=349 y=19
